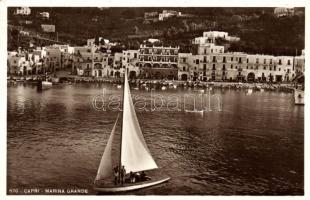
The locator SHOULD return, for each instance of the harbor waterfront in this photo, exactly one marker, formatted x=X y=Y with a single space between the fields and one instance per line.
x=253 y=145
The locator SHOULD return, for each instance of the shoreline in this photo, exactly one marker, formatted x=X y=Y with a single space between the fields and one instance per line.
x=149 y=84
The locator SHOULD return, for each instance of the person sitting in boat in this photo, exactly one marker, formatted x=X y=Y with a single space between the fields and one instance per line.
x=144 y=177
x=137 y=176
x=132 y=177
x=116 y=175
x=123 y=173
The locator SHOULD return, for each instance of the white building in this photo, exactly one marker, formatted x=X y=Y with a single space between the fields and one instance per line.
x=58 y=57
x=130 y=60
x=88 y=61
x=215 y=34
x=184 y=65
x=210 y=49
x=283 y=12
x=202 y=40
x=23 y=11
x=299 y=64
x=45 y=15
x=49 y=28
x=167 y=14
x=220 y=34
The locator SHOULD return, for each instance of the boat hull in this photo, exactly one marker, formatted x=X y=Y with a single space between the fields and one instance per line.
x=299 y=97
x=130 y=187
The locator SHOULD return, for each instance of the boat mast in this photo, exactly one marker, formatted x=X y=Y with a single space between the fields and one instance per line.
x=120 y=152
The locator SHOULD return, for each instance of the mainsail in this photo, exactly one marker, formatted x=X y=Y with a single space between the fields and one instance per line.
x=105 y=169
x=135 y=155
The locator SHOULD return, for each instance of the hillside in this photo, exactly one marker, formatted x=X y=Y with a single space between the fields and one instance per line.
x=259 y=30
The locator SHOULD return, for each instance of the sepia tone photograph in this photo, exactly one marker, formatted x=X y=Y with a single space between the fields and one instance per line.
x=155 y=100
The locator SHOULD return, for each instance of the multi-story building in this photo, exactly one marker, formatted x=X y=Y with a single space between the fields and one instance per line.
x=158 y=62
x=15 y=62
x=184 y=66
x=89 y=61
x=130 y=60
x=58 y=57
x=23 y=63
x=299 y=64
x=284 y=68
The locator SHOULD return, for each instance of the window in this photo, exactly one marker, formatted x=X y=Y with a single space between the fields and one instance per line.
x=239 y=60
x=264 y=68
x=265 y=61
x=214 y=59
x=224 y=59
x=213 y=68
x=211 y=50
x=279 y=69
x=184 y=59
x=184 y=69
x=247 y=60
x=288 y=62
x=197 y=61
x=270 y=62
x=232 y=59
x=205 y=50
x=280 y=62
x=224 y=67
x=135 y=55
x=231 y=66
x=204 y=67
x=247 y=67
x=257 y=60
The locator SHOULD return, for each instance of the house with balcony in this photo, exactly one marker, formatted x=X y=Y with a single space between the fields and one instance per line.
x=158 y=62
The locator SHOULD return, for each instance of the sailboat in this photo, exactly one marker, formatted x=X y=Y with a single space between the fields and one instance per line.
x=134 y=153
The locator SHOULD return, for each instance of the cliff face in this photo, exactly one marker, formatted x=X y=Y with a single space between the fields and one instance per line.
x=259 y=30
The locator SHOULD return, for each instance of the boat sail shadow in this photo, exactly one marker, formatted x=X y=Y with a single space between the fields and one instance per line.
x=134 y=154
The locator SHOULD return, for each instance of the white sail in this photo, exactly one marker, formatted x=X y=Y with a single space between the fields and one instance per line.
x=105 y=169
x=135 y=155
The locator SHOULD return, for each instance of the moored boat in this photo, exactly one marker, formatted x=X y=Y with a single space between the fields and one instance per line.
x=299 y=97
